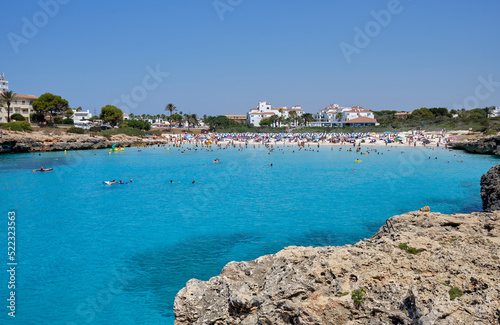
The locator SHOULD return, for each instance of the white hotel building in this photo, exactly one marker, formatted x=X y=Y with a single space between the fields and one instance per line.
x=334 y=115
x=22 y=104
x=4 y=84
x=265 y=110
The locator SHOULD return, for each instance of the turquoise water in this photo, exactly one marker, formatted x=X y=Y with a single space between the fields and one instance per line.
x=89 y=253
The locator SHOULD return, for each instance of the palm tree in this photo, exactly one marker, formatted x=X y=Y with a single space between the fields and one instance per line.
x=308 y=117
x=339 y=116
x=274 y=119
x=293 y=115
x=281 y=120
x=8 y=97
x=190 y=119
x=194 y=120
x=170 y=108
x=300 y=120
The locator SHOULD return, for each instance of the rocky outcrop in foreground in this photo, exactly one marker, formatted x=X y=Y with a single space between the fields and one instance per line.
x=489 y=146
x=490 y=189
x=424 y=268
x=36 y=142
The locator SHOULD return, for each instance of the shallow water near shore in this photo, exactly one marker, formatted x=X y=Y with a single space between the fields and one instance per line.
x=89 y=253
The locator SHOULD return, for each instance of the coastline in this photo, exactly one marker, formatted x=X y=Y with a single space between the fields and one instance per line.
x=20 y=142
x=306 y=285
x=39 y=142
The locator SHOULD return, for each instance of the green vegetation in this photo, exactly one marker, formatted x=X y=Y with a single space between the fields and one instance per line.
x=75 y=130
x=95 y=129
x=490 y=132
x=111 y=114
x=414 y=251
x=17 y=117
x=60 y=120
x=437 y=118
x=128 y=131
x=52 y=106
x=357 y=296
x=138 y=124
x=170 y=108
x=342 y=294
x=219 y=123
x=408 y=249
x=18 y=126
x=455 y=293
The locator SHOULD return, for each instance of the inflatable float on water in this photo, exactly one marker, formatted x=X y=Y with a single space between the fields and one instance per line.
x=357 y=161
x=116 y=149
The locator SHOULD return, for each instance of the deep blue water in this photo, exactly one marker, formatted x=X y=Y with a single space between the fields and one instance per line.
x=89 y=253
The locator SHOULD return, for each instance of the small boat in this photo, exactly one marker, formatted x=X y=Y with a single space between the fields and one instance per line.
x=357 y=161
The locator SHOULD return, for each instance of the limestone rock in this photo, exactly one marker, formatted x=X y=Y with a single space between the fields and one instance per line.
x=487 y=145
x=425 y=209
x=38 y=141
x=490 y=189
x=306 y=285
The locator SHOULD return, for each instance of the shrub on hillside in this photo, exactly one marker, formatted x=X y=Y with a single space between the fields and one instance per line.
x=490 y=132
x=95 y=129
x=137 y=124
x=18 y=126
x=17 y=117
x=68 y=121
x=75 y=130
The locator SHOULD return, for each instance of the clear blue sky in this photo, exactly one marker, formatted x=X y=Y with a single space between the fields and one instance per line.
x=431 y=53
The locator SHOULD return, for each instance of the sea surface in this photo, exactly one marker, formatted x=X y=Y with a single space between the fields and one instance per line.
x=88 y=253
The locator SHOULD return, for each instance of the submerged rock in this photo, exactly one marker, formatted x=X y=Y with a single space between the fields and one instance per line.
x=411 y=272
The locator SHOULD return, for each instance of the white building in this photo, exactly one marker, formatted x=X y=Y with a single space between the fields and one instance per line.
x=4 y=84
x=80 y=116
x=264 y=110
x=495 y=112
x=355 y=112
x=334 y=115
x=22 y=104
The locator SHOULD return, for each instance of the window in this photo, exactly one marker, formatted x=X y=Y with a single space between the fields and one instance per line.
x=24 y=102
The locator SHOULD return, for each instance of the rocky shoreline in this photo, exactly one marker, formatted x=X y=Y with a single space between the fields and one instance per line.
x=39 y=142
x=420 y=268
x=411 y=272
x=487 y=145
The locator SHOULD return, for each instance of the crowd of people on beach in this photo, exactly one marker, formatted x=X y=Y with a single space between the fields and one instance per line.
x=403 y=138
